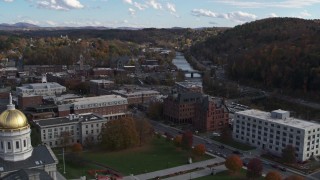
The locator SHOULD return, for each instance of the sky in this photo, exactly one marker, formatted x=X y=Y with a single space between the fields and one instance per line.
x=152 y=13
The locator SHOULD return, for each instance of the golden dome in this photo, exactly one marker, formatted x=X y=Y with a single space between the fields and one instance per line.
x=13 y=119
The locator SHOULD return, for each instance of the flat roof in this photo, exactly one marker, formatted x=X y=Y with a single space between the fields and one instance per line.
x=101 y=81
x=293 y=122
x=96 y=99
x=67 y=120
x=47 y=85
x=139 y=92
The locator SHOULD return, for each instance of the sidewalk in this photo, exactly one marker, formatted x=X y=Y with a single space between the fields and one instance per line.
x=186 y=167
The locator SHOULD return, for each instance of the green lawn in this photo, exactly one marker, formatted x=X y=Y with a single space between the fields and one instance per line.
x=159 y=154
x=234 y=144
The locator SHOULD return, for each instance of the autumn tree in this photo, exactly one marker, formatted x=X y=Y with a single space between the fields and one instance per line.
x=144 y=129
x=187 y=140
x=155 y=110
x=254 y=168
x=119 y=134
x=288 y=154
x=226 y=134
x=177 y=140
x=65 y=137
x=77 y=148
x=233 y=163
x=273 y=175
x=199 y=150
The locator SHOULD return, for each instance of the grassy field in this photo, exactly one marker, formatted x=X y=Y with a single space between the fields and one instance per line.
x=235 y=144
x=159 y=154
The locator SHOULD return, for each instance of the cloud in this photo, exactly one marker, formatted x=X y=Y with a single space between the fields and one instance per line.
x=127 y=1
x=132 y=11
x=140 y=6
x=237 y=16
x=51 y=23
x=305 y=13
x=154 y=4
x=60 y=4
x=171 y=7
x=270 y=4
x=8 y=0
x=273 y=15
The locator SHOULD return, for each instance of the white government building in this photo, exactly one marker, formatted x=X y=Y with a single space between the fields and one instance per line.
x=18 y=159
x=273 y=131
x=41 y=89
x=83 y=128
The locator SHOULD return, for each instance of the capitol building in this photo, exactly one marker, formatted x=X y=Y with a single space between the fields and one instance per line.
x=18 y=159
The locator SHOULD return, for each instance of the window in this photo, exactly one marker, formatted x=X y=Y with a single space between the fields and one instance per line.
x=24 y=143
x=17 y=145
x=1 y=145
x=9 y=145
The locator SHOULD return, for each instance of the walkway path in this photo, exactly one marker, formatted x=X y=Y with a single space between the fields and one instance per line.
x=186 y=167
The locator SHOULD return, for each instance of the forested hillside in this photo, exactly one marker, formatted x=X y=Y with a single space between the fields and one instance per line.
x=276 y=52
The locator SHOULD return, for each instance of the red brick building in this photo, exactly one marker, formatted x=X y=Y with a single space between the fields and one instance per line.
x=211 y=115
x=203 y=112
x=180 y=108
x=29 y=100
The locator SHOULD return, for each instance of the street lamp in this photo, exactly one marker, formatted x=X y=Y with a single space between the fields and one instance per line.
x=64 y=164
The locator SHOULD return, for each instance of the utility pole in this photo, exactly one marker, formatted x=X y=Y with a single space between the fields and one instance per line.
x=64 y=165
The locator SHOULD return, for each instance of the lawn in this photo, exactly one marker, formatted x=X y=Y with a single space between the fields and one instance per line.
x=234 y=144
x=159 y=154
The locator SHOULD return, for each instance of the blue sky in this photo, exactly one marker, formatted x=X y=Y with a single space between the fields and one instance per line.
x=152 y=13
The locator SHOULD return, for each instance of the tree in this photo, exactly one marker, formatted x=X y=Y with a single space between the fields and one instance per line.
x=233 y=163
x=77 y=148
x=187 y=140
x=199 y=150
x=145 y=130
x=273 y=175
x=254 y=168
x=155 y=110
x=65 y=137
x=177 y=140
x=119 y=134
x=294 y=177
x=288 y=154
x=226 y=134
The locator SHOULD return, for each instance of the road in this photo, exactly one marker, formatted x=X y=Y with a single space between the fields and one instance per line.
x=212 y=147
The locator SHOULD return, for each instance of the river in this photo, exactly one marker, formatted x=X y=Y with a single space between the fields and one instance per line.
x=183 y=64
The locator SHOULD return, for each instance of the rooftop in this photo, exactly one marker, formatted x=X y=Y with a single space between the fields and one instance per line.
x=293 y=122
x=41 y=86
x=41 y=155
x=137 y=92
x=67 y=120
x=101 y=81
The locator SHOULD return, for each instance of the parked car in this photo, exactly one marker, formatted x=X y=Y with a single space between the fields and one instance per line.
x=275 y=166
x=283 y=169
x=215 y=134
x=221 y=147
x=236 y=152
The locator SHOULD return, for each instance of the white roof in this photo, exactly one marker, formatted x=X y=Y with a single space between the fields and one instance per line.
x=101 y=81
x=132 y=93
x=97 y=99
x=293 y=122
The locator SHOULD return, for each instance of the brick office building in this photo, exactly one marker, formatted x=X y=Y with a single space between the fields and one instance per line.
x=180 y=108
x=203 y=112
x=211 y=115
x=101 y=105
